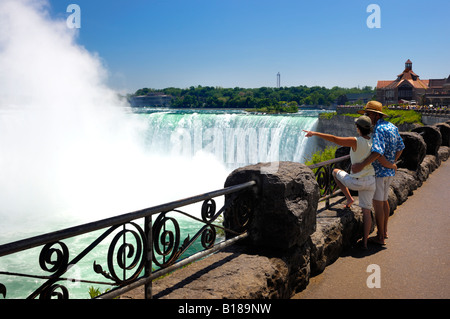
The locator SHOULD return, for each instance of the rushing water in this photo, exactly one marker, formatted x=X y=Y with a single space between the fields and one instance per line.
x=234 y=138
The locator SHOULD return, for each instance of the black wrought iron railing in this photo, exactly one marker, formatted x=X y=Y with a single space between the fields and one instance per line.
x=135 y=247
x=324 y=176
x=139 y=246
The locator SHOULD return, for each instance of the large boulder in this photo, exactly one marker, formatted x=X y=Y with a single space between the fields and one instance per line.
x=403 y=184
x=228 y=274
x=432 y=137
x=337 y=229
x=284 y=205
x=444 y=128
x=428 y=165
x=444 y=153
x=414 y=152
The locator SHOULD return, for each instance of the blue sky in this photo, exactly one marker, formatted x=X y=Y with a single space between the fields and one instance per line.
x=245 y=43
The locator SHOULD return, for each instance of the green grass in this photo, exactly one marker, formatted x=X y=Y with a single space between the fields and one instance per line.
x=396 y=117
x=327 y=115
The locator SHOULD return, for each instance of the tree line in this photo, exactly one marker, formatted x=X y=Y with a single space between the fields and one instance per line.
x=257 y=98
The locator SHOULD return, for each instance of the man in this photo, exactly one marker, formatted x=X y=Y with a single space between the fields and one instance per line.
x=388 y=142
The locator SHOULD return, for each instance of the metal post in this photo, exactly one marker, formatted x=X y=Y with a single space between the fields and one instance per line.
x=329 y=191
x=149 y=256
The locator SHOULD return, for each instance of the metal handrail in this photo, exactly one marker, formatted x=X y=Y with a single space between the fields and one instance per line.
x=40 y=240
x=145 y=245
x=327 y=185
x=329 y=162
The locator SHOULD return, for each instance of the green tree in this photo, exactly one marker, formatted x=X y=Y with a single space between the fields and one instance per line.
x=218 y=97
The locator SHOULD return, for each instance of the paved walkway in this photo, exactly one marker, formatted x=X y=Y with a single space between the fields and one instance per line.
x=415 y=263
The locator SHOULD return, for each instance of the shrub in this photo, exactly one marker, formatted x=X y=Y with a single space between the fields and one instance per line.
x=322 y=156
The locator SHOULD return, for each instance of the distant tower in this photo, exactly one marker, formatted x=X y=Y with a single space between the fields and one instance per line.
x=278 y=80
x=408 y=65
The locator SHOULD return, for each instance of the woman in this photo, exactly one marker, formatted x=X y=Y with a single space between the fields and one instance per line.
x=363 y=181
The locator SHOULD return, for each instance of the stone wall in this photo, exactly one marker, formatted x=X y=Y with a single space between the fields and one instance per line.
x=342 y=125
x=292 y=237
x=434 y=119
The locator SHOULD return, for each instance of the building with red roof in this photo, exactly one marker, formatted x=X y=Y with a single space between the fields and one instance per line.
x=409 y=88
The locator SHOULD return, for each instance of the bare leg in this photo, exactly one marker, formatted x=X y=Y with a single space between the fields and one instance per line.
x=343 y=188
x=386 y=218
x=367 y=221
x=380 y=220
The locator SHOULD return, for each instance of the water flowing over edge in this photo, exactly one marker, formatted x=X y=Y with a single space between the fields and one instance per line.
x=234 y=138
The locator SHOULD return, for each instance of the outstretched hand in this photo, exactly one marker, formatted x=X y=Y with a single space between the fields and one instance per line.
x=308 y=133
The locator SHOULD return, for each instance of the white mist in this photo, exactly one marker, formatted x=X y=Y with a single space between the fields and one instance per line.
x=69 y=150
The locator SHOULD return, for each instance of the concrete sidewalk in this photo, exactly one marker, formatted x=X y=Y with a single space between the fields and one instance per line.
x=415 y=261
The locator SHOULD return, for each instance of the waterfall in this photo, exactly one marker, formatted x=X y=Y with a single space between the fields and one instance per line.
x=234 y=139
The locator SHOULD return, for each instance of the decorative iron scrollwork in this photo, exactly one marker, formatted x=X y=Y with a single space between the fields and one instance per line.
x=3 y=290
x=47 y=259
x=208 y=215
x=168 y=239
x=54 y=258
x=238 y=212
x=99 y=270
x=128 y=255
x=325 y=179
x=208 y=237
x=52 y=291
x=208 y=210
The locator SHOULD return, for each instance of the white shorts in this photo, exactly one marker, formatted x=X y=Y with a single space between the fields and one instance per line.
x=364 y=185
x=382 y=191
